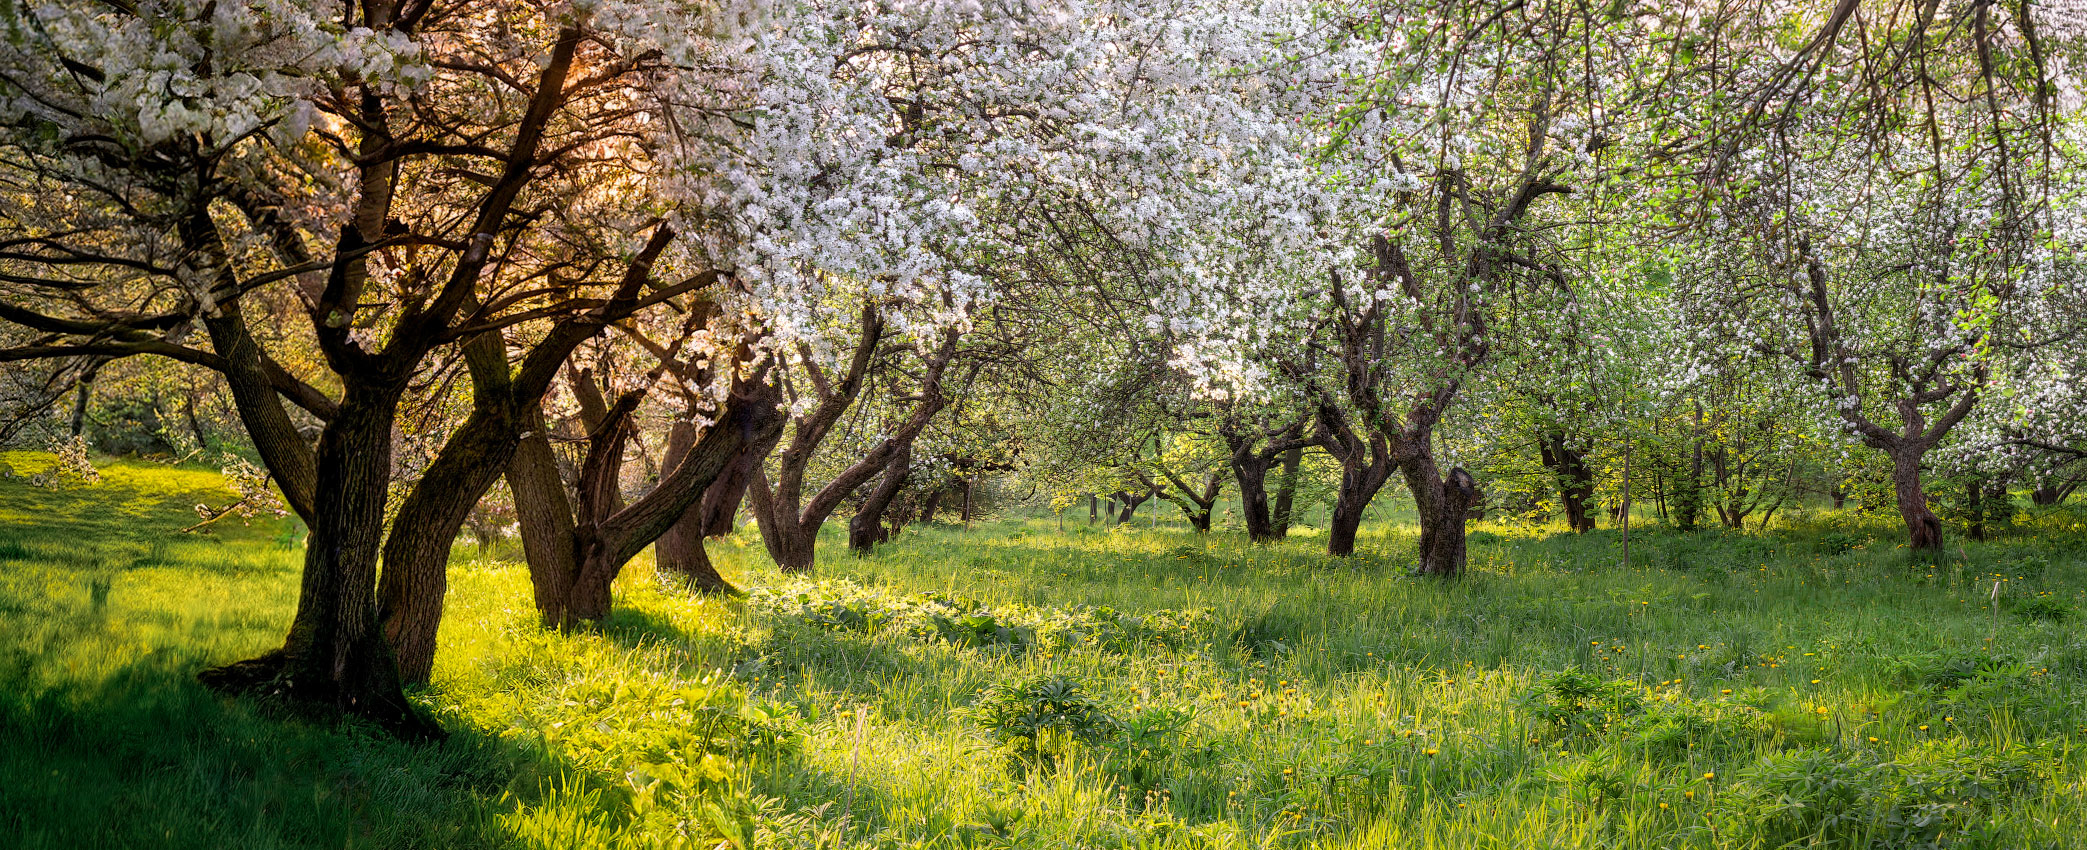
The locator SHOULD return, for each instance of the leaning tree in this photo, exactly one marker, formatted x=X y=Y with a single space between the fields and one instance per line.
x=321 y=205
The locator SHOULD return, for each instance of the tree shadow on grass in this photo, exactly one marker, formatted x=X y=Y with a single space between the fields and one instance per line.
x=146 y=757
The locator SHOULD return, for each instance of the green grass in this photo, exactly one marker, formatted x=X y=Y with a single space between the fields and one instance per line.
x=1017 y=686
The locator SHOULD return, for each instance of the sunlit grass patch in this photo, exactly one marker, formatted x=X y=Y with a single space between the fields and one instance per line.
x=1014 y=686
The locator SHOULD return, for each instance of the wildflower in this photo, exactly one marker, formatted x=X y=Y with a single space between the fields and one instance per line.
x=1711 y=775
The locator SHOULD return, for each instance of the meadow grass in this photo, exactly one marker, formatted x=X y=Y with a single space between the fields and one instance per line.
x=1014 y=685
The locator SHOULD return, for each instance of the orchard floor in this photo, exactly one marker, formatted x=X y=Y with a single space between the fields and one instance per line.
x=1018 y=686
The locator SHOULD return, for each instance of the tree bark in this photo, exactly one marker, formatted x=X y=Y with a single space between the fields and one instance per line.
x=1360 y=481
x=1251 y=474
x=1575 y=480
x=83 y=391
x=1923 y=529
x=1128 y=503
x=335 y=654
x=576 y=550
x=1975 y=510
x=679 y=551
x=1443 y=504
x=1285 y=494
x=866 y=529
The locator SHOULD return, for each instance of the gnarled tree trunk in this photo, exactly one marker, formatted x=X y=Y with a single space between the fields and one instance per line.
x=1251 y=473
x=577 y=550
x=1360 y=481
x=336 y=654
x=1923 y=529
x=866 y=529
x=1444 y=504
x=679 y=551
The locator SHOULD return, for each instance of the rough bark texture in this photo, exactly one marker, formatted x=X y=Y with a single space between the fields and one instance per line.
x=1363 y=473
x=576 y=549
x=789 y=521
x=1443 y=505
x=1254 y=451
x=335 y=655
x=1575 y=480
x=866 y=529
x=1923 y=529
x=1251 y=474
x=679 y=551
x=415 y=581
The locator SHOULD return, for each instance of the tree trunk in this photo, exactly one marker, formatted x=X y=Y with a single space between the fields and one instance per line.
x=719 y=510
x=1923 y=529
x=1974 y=510
x=1839 y=495
x=83 y=391
x=1443 y=505
x=1575 y=480
x=932 y=502
x=1285 y=494
x=195 y=426
x=1360 y=481
x=790 y=544
x=545 y=517
x=1129 y=503
x=1250 y=469
x=1093 y=509
x=679 y=551
x=576 y=550
x=1199 y=520
x=335 y=655
x=866 y=528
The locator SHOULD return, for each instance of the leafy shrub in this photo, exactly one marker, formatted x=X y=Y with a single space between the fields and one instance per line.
x=1044 y=716
x=1678 y=729
x=2042 y=608
x=1943 y=673
x=1837 y=798
x=1573 y=703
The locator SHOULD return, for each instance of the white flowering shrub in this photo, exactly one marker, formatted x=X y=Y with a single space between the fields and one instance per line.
x=257 y=497
x=73 y=469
